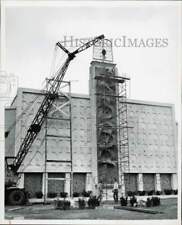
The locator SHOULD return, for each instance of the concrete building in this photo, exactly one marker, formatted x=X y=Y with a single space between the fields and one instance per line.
x=66 y=155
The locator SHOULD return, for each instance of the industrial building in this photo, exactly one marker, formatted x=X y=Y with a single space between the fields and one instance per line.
x=100 y=136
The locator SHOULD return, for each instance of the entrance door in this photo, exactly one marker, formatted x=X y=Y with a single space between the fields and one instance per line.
x=79 y=182
x=56 y=182
x=148 y=182
x=130 y=182
x=33 y=183
x=165 y=181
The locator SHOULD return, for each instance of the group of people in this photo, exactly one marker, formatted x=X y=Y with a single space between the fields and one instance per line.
x=115 y=190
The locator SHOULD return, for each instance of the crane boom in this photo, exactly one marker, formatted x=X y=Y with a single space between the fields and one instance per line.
x=46 y=104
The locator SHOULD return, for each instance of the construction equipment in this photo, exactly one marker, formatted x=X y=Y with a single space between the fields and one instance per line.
x=14 y=195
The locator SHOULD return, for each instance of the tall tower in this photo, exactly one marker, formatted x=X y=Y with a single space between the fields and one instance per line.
x=103 y=89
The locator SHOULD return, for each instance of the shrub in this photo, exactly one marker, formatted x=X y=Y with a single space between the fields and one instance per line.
x=63 y=194
x=66 y=205
x=129 y=193
x=93 y=202
x=86 y=193
x=150 y=192
x=132 y=193
x=81 y=203
x=133 y=201
x=168 y=191
x=158 y=192
x=62 y=204
x=51 y=194
x=141 y=193
x=76 y=194
x=148 y=202
x=123 y=201
x=155 y=201
x=39 y=194
x=175 y=192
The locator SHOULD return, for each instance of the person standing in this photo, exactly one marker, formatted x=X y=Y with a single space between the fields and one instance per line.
x=100 y=190
x=115 y=191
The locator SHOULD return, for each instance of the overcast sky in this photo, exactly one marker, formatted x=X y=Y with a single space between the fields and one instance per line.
x=32 y=31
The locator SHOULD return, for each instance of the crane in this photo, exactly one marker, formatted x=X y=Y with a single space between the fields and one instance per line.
x=45 y=106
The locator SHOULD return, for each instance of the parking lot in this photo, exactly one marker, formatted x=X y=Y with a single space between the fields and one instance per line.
x=167 y=209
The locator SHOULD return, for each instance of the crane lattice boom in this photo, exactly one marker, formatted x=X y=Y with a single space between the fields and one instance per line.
x=47 y=102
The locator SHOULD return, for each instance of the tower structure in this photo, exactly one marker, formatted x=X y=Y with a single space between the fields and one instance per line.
x=109 y=118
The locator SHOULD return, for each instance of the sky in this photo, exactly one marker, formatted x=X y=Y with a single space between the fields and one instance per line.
x=31 y=32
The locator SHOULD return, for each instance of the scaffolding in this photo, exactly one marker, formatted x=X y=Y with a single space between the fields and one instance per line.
x=120 y=127
x=65 y=111
x=123 y=141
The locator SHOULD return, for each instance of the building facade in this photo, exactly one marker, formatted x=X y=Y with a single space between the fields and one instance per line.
x=80 y=142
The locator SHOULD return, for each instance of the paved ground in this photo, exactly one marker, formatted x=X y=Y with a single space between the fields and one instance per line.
x=104 y=212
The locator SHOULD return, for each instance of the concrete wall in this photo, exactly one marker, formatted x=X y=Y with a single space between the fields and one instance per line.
x=151 y=140
x=152 y=143
x=81 y=134
x=152 y=137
